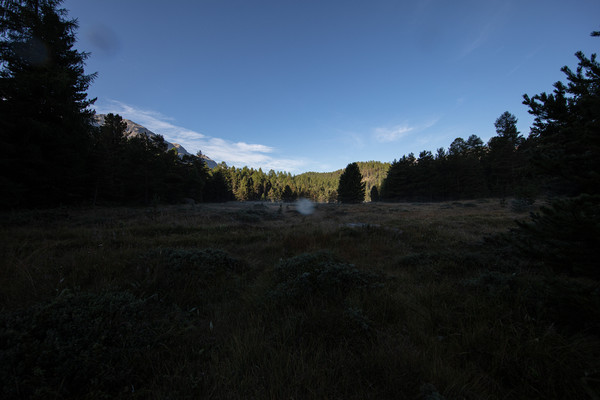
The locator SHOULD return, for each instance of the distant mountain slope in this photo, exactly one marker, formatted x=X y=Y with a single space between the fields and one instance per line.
x=134 y=129
x=373 y=173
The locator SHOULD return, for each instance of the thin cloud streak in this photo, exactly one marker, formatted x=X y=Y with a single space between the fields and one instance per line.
x=386 y=135
x=154 y=121
x=392 y=134
x=233 y=153
x=478 y=42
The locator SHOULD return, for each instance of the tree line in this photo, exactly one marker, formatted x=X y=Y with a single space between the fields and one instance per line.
x=254 y=184
x=54 y=154
x=468 y=169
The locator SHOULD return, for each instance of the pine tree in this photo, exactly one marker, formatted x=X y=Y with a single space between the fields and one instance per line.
x=504 y=164
x=217 y=188
x=566 y=130
x=565 y=235
x=288 y=194
x=351 y=189
x=397 y=185
x=45 y=121
x=108 y=158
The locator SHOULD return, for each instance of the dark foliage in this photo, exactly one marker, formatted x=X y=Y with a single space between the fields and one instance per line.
x=566 y=134
x=564 y=235
x=287 y=195
x=469 y=169
x=374 y=194
x=83 y=346
x=566 y=130
x=351 y=188
x=45 y=122
x=306 y=277
x=138 y=170
x=217 y=188
x=190 y=278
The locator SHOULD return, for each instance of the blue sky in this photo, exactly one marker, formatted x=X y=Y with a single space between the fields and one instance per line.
x=312 y=85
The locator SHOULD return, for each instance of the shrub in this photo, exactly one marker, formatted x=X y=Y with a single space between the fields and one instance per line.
x=323 y=300
x=564 y=236
x=83 y=345
x=190 y=277
x=319 y=275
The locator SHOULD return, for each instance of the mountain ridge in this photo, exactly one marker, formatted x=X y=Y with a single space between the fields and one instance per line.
x=134 y=129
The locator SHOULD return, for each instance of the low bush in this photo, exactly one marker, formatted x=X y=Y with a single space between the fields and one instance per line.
x=564 y=236
x=190 y=278
x=83 y=345
x=319 y=275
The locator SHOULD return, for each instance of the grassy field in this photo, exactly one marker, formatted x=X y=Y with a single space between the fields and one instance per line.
x=256 y=301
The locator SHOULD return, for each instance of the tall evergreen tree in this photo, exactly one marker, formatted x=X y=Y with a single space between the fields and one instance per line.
x=398 y=183
x=504 y=163
x=351 y=189
x=566 y=234
x=45 y=121
x=108 y=154
x=566 y=129
x=217 y=187
x=288 y=194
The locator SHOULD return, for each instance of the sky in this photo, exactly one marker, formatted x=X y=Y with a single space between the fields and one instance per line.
x=312 y=85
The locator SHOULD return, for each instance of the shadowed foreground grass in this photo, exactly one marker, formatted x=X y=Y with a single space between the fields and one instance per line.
x=254 y=300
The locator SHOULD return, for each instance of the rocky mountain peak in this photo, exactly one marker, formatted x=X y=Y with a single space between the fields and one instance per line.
x=134 y=130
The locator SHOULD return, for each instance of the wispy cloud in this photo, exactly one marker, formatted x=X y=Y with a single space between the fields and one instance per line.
x=233 y=153
x=391 y=134
x=155 y=121
x=525 y=60
x=387 y=134
x=498 y=12
x=477 y=42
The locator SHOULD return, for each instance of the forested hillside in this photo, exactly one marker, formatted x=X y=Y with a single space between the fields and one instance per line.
x=250 y=184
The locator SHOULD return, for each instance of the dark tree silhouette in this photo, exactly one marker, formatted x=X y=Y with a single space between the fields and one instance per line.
x=504 y=163
x=45 y=121
x=217 y=188
x=566 y=129
x=108 y=154
x=287 y=195
x=374 y=194
x=565 y=235
x=351 y=189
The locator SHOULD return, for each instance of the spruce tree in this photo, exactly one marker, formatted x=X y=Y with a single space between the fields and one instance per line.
x=45 y=121
x=351 y=189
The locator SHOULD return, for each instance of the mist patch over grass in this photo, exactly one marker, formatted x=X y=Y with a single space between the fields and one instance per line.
x=240 y=300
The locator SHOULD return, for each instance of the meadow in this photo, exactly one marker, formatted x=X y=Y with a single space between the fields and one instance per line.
x=257 y=301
